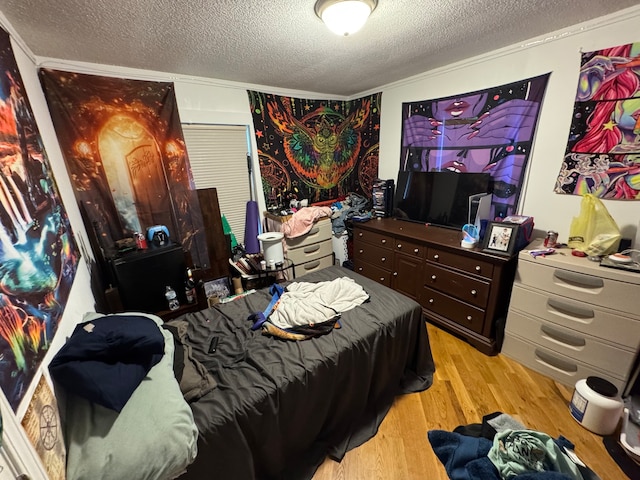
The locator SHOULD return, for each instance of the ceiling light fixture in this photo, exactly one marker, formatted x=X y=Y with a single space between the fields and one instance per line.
x=345 y=17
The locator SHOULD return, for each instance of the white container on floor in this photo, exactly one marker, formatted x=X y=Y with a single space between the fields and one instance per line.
x=596 y=405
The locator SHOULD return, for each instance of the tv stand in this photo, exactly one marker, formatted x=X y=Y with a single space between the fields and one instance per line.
x=465 y=291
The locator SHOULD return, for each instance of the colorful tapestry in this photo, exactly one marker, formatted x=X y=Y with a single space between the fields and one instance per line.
x=316 y=150
x=38 y=253
x=603 y=151
x=123 y=145
x=488 y=131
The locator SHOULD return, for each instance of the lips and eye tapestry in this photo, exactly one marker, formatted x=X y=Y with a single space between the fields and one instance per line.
x=486 y=131
x=38 y=252
x=603 y=150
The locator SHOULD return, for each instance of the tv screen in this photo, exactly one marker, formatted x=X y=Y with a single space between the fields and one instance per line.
x=439 y=198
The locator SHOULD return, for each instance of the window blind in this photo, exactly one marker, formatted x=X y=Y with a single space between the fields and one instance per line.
x=218 y=158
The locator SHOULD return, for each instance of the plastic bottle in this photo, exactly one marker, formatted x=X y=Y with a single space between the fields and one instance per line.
x=172 y=298
x=190 y=287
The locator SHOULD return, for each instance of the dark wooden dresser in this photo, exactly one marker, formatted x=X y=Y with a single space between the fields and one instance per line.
x=465 y=291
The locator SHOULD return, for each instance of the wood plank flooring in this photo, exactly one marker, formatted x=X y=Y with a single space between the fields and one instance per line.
x=467 y=385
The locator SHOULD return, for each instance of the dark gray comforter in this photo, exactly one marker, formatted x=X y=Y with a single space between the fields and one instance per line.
x=282 y=406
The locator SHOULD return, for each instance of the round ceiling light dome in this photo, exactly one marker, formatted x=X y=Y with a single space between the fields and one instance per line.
x=345 y=17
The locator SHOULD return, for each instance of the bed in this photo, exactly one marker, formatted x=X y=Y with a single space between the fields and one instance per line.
x=281 y=407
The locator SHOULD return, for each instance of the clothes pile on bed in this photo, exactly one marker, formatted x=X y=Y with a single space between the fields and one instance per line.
x=502 y=448
x=304 y=310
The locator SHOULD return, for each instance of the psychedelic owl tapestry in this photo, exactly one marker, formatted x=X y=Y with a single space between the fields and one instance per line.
x=39 y=256
x=124 y=149
x=488 y=131
x=603 y=152
x=318 y=150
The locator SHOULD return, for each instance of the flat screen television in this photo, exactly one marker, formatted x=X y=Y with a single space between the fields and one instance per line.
x=438 y=198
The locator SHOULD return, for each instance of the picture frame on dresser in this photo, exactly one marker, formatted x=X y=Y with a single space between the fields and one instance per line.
x=500 y=238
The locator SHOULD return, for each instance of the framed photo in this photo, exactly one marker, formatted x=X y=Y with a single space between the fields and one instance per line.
x=218 y=288
x=500 y=238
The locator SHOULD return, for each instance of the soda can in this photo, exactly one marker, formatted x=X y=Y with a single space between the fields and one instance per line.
x=551 y=239
x=141 y=242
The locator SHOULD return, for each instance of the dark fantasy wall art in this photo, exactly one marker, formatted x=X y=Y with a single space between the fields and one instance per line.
x=317 y=150
x=603 y=152
x=123 y=145
x=488 y=131
x=38 y=253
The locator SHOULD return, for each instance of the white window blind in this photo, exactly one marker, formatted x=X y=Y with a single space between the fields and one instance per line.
x=218 y=158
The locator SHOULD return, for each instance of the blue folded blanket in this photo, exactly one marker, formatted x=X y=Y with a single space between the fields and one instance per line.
x=106 y=359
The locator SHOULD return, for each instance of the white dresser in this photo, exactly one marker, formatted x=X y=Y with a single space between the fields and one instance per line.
x=313 y=251
x=310 y=252
x=570 y=318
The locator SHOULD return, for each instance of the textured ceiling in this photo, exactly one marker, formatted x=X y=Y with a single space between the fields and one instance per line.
x=281 y=43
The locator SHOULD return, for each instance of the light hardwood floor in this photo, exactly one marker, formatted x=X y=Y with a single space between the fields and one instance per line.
x=467 y=385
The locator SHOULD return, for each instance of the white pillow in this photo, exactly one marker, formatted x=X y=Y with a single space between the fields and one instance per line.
x=154 y=437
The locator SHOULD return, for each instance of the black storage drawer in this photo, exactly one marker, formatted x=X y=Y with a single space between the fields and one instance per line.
x=142 y=277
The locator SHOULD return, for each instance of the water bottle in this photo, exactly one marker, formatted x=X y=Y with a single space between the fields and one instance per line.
x=172 y=298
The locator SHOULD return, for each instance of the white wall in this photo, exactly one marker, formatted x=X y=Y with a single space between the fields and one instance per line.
x=558 y=53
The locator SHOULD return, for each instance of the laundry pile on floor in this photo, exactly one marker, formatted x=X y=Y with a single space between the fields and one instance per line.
x=502 y=448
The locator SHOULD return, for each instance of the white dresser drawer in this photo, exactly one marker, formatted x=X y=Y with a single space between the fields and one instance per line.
x=308 y=253
x=582 y=287
x=564 y=369
x=319 y=232
x=314 y=266
x=580 y=347
x=576 y=315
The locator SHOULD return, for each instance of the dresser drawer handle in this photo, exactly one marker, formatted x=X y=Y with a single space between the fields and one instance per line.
x=383 y=259
x=395 y=274
x=433 y=277
x=431 y=300
x=399 y=246
x=311 y=265
x=360 y=251
x=556 y=363
x=474 y=292
x=360 y=234
x=436 y=256
x=313 y=231
x=359 y=269
x=569 y=309
x=311 y=249
x=478 y=268
x=578 y=279
x=469 y=318
x=416 y=250
x=563 y=337
x=382 y=279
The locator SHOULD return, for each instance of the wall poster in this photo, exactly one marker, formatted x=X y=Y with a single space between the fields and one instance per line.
x=38 y=253
x=603 y=151
x=123 y=145
x=489 y=130
x=317 y=150
x=41 y=422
